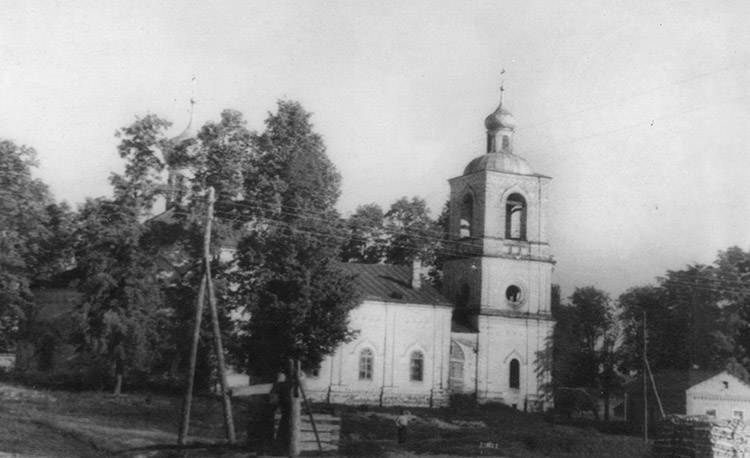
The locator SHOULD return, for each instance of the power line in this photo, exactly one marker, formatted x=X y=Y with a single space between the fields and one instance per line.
x=636 y=94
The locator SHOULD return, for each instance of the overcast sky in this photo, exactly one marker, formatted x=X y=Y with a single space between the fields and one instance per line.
x=640 y=111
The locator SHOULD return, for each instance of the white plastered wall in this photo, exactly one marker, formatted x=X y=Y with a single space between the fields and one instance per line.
x=393 y=331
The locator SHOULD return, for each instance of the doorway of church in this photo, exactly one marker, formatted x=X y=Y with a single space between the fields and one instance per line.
x=456 y=369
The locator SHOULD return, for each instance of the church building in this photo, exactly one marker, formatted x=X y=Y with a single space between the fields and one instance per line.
x=488 y=332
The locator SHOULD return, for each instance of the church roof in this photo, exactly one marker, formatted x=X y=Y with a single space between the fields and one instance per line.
x=499 y=162
x=389 y=283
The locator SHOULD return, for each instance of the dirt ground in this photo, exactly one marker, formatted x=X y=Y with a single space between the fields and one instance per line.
x=59 y=424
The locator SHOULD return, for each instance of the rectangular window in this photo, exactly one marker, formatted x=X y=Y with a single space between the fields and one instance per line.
x=711 y=413
x=738 y=415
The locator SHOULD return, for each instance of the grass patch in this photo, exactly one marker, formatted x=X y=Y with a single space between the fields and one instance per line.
x=95 y=424
x=468 y=430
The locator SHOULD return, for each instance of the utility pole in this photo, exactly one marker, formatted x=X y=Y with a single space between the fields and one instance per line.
x=295 y=387
x=207 y=284
x=218 y=347
x=187 y=404
x=295 y=414
x=645 y=384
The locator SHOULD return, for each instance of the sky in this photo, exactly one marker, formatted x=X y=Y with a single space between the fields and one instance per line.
x=639 y=111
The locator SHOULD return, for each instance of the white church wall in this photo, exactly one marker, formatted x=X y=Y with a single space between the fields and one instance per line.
x=532 y=277
x=393 y=332
x=501 y=340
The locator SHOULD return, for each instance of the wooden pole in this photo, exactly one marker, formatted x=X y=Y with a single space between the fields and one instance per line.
x=184 y=426
x=656 y=392
x=309 y=413
x=294 y=411
x=645 y=384
x=218 y=347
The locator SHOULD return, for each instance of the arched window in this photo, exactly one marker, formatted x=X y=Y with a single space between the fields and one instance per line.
x=506 y=143
x=416 y=367
x=515 y=217
x=467 y=216
x=515 y=374
x=365 y=364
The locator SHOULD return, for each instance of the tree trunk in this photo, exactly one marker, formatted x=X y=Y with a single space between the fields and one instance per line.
x=118 y=378
x=282 y=435
x=606 y=406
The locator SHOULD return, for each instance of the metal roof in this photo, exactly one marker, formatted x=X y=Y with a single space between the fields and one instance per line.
x=389 y=283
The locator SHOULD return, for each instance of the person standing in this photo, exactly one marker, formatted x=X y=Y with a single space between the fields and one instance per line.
x=402 y=425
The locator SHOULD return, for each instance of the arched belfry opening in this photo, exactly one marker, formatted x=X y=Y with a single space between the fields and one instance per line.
x=515 y=217
x=467 y=216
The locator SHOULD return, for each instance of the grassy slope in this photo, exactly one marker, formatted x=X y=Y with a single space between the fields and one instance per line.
x=67 y=425
x=459 y=432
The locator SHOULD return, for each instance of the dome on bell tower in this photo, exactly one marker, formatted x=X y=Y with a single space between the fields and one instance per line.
x=501 y=126
x=499 y=162
x=500 y=119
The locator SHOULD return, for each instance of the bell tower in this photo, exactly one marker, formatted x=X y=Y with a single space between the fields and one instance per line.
x=500 y=272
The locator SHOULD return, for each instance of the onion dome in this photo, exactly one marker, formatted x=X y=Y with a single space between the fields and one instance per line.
x=499 y=158
x=189 y=133
x=500 y=119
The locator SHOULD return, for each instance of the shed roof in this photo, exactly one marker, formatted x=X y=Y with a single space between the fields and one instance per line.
x=389 y=283
x=671 y=381
x=721 y=376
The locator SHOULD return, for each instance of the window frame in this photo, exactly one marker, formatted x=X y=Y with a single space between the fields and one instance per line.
x=416 y=357
x=514 y=374
x=366 y=365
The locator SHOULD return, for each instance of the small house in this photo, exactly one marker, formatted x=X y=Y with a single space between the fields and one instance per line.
x=722 y=397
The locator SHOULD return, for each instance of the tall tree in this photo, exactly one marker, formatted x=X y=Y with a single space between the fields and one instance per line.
x=413 y=232
x=122 y=295
x=288 y=258
x=565 y=341
x=225 y=151
x=585 y=336
x=298 y=300
x=34 y=237
x=367 y=239
x=697 y=316
x=666 y=329
x=143 y=145
x=120 y=289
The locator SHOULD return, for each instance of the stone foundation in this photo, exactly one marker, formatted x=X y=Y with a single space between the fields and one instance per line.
x=381 y=397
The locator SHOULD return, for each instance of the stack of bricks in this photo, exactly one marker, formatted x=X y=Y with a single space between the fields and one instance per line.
x=680 y=436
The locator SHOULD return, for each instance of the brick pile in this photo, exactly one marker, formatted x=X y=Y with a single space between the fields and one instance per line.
x=681 y=436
